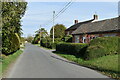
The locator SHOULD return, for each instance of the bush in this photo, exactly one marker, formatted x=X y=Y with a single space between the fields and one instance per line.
x=68 y=38
x=72 y=48
x=48 y=42
x=101 y=47
x=10 y=43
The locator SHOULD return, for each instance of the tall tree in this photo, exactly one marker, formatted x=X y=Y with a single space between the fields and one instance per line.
x=59 y=31
x=11 y=13
x=41 y=33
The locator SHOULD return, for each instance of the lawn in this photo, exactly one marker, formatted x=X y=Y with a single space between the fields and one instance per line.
x=7 y=60
x=107 y=65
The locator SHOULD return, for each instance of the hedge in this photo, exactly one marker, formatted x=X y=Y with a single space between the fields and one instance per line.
x=98 y=47
x=72 y=48
x=101 y=47
x=10 y=43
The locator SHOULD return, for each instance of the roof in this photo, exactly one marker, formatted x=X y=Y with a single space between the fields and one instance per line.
x=107 y=25
x=75 y=26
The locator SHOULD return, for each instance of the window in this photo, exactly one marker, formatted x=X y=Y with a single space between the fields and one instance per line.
x=68 y=33
x=77 y=39
x=109 y=35
x=84 y=39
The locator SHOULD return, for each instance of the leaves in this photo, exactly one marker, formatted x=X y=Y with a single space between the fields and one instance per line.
x=59 y=31
x=11 y=13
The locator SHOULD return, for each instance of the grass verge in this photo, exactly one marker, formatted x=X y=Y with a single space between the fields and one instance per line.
x=107 y=65
x=7 y=60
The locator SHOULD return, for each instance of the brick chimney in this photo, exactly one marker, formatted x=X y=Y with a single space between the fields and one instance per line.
x=95 y=17
x=76 y=21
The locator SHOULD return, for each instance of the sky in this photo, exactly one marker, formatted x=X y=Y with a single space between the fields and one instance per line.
x=41 y=13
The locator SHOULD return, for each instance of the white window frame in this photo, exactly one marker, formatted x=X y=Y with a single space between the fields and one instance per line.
x=83 y=39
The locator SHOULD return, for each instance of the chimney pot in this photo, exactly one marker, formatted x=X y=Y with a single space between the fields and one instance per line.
x=95 y=17
x=76 y=21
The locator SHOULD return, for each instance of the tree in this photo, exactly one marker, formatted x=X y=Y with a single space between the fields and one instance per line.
x=41 y=33
x=29 y=39
x=11 y=13
x=59 y=31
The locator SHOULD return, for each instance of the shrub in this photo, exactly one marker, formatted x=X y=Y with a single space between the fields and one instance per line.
x=101 y=47
x=72 y=48
x=10 y=44
x=68 y=38
x=48 y=42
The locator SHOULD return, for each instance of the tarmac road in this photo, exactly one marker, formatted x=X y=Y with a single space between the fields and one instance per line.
x=36 y=62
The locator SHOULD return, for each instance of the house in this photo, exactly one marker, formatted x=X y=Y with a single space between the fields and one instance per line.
x=78 y=24
x=103 y=28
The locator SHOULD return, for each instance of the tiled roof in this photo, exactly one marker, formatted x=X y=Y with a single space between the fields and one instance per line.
x=99 y=26
x=75 y=26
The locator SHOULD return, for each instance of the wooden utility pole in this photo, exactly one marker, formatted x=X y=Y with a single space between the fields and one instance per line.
x=53 y=24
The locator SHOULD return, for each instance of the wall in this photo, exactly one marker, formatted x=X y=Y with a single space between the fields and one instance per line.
x=88 y=37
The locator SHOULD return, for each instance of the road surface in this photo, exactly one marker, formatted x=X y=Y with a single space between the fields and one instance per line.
x=36 y=62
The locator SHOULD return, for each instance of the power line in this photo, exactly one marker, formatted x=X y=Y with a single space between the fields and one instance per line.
x=60 y=12
x=64 y=8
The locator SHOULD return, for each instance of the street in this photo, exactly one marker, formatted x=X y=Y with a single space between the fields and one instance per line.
x=36 y=62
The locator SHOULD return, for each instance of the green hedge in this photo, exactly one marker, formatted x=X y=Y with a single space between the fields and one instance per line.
x=10 y=43
x=72 y=48
x=48 y=42
x=101 y=47
x=97 y=48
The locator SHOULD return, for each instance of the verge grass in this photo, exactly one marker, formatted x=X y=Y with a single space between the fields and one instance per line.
x=7 y=60
x=107 y=65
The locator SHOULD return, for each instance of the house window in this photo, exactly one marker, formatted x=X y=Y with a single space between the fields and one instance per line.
x=84 y=39
x=68 y=33
x=77 y=39
x=109 y=35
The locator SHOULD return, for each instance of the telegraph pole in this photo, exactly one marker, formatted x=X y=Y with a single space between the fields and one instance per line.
x=53 y=24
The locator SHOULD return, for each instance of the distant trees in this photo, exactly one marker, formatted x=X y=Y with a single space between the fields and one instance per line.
x=41 y=33
x=59 y=31
x=11 y=13
x=29 y=38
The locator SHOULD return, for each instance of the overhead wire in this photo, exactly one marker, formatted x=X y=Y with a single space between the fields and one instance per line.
x=60 y=12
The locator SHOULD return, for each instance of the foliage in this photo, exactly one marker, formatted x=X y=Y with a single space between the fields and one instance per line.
x=68 y=38
x=36 y=39
x=101 y=47
x=107 y=65
x=29 y=39
x=48 y=42
x=41 y=33
x=7 y=60
x=11 y=13
x=71 y=48
x=59 y=31
x=10 y=44
x=22 y=40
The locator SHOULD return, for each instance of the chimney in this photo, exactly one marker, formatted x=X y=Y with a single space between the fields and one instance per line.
x=76 y=21
x=95 y=17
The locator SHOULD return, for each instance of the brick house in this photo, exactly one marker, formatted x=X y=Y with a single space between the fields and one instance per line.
x=103 y=28
x=78 y=24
